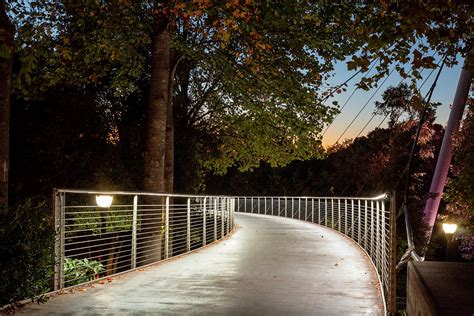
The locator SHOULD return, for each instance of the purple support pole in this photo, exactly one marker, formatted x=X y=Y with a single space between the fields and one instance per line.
x=446 y=152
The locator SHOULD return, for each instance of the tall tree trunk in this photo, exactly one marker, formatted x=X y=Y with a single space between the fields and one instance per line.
x=154 y=170
x=154 y=179
x=7 y=32
x=169 y=152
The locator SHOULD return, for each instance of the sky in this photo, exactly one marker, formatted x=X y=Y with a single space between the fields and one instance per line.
x=443 y=93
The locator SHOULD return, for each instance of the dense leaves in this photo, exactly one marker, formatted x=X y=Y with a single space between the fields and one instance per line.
x=258 y=68
x=71 y=43
x=27 y=260
x=460 y=193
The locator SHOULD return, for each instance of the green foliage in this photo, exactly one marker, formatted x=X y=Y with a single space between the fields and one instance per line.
x=460 y=186
x=251 y=81
x=398 y=34
x=76 y=44
x=97 y=218
x=77 y=271
x=26 y=263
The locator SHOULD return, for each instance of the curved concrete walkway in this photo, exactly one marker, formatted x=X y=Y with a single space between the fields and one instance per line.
x=271 y=266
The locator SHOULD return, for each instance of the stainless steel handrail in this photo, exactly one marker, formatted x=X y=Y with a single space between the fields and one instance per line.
x=367 y=221
x=141 y=228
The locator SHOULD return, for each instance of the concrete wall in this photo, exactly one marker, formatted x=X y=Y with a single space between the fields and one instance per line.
x=440 y=288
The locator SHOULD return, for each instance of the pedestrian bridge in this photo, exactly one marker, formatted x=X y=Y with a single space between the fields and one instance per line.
x=221 y=255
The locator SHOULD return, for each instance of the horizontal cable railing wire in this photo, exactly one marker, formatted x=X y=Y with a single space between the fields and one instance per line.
x=370 y=222
x=134 y=230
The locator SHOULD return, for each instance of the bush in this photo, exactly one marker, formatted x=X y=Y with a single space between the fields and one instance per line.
x=27 y=258
x=77 y=271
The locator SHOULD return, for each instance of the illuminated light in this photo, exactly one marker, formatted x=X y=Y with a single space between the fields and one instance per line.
x=449 y=228
x=104 y=200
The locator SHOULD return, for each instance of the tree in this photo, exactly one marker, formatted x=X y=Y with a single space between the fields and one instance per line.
x=249 y=111
x=7 y=32
x=154 y=175
x=460 y=186
x=270 y=62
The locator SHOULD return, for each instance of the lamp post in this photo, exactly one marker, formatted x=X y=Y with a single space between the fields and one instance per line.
x=449 y=230
x=104 y=200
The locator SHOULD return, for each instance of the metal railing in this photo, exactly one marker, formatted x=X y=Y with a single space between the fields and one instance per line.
x=370 y=222
x=135 y=230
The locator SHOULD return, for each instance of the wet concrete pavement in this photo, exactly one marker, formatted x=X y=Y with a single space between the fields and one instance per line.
x=269 y=266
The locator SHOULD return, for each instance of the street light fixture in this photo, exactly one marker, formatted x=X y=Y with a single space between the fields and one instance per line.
x=104 y=200
x=449 y=230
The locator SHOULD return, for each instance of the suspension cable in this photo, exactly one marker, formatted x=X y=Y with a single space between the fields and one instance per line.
x=411 y=251
x=383 y=120
x=365 y=105
x=401 y=81
x=348 y=99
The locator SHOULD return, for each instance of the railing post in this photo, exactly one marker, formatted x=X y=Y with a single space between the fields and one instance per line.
x=366 y=233
x=265 y=205
x=339 y=215
x=382 y=237
x=332 y=212
x=299 y=208
x=352 y=219
x=134 y=232
x=215 y=218
x=312 y=210
x=286 y=206
x=319 y=211
x=233 y=215
x=377 y=232
x=227 y=216
x=251 y=204
x=272 y=205
x=372 y=228
x=224 y=215
x=345 y=216
x=306 y=209
x=326 y=212
x=204 y=223
x=59 y=225
x=167 y=223
x=358 y=222
x=258 y=205
x=392 y=286
x=292 y=208
x=222 y=218
x=245 y=204
x=188 y=226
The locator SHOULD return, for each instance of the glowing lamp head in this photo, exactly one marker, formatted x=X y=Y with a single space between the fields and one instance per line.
x=449 y=228
x=104 y=200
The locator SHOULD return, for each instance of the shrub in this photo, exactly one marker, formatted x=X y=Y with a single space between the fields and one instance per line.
x=27 y=259
x=77 y=271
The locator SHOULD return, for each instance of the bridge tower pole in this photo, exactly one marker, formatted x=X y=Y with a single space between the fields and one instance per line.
x=446 y=152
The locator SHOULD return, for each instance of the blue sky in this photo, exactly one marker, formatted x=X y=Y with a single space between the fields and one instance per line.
x=444 y=93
